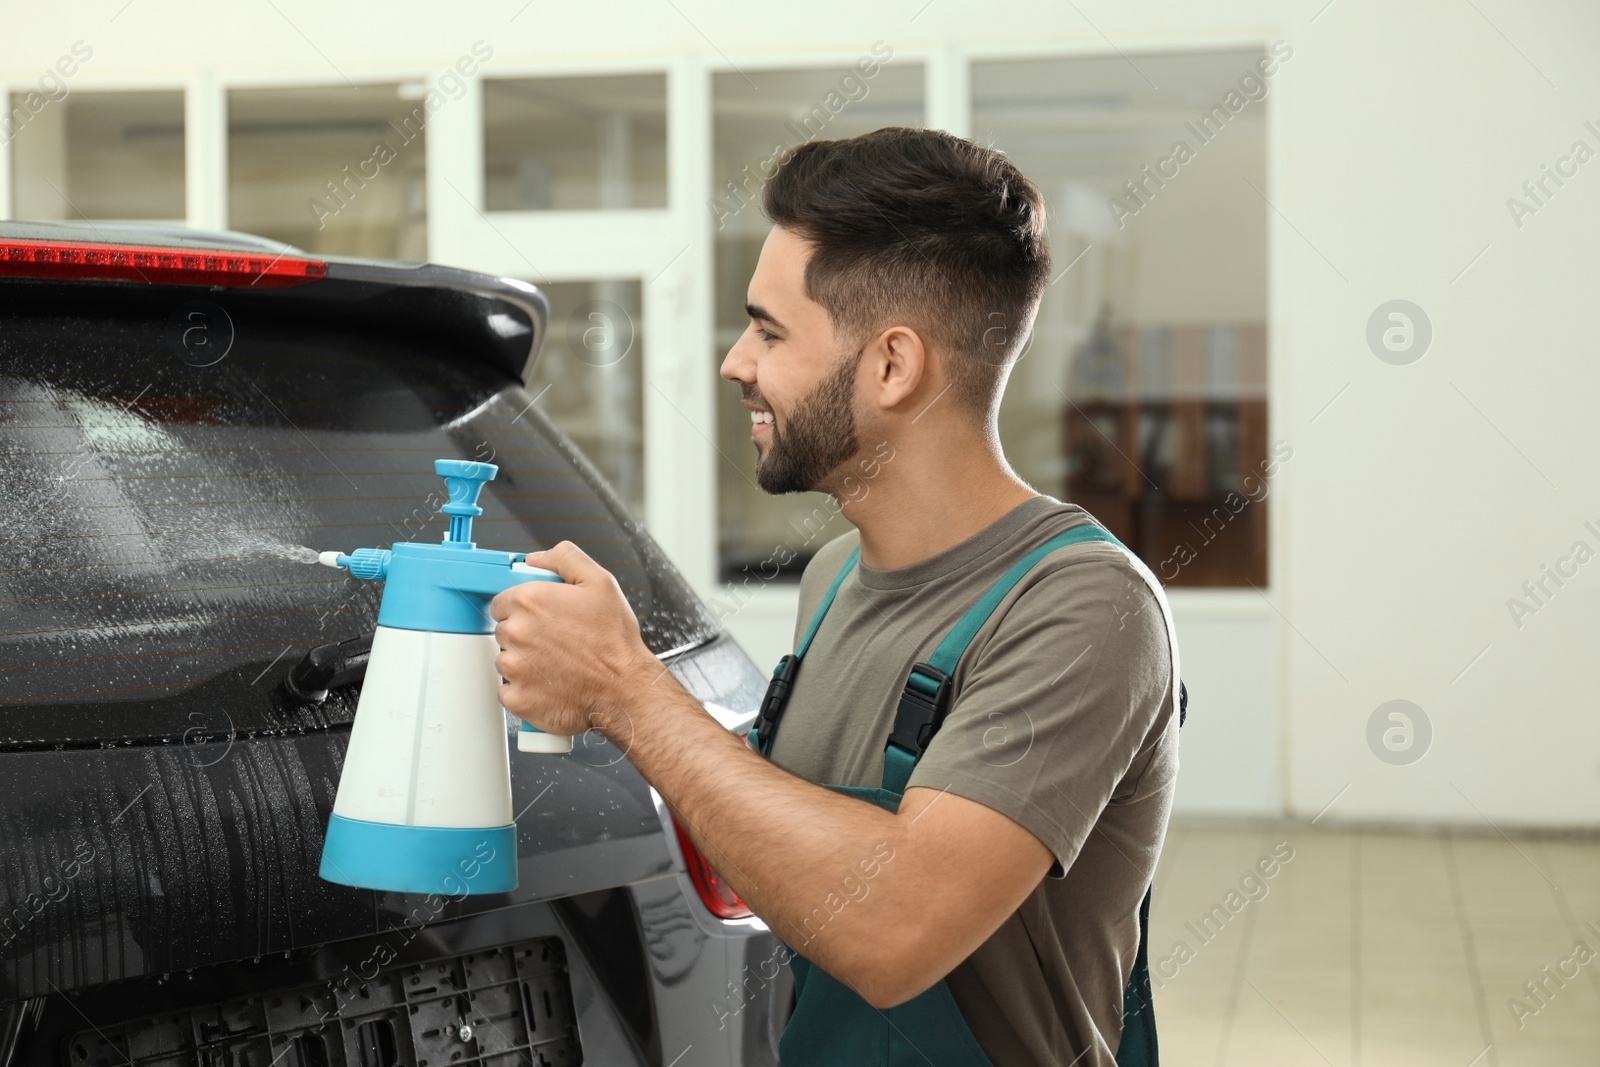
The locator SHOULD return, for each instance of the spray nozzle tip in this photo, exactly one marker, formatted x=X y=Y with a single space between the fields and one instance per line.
x=332 y=559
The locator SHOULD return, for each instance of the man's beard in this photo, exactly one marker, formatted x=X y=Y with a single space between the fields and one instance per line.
x=821 y=436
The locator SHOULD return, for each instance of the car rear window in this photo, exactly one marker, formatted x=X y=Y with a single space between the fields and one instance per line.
x=165 y=499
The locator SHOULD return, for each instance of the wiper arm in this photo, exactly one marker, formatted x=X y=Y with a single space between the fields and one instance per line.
x=340 y=663
x=327 y=667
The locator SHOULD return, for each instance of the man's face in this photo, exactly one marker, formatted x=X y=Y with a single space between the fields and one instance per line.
x=799 y=387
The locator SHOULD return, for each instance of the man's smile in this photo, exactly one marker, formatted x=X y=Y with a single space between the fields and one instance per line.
x=761 y=420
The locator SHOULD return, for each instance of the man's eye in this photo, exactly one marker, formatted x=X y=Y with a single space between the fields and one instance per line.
x=766 y=335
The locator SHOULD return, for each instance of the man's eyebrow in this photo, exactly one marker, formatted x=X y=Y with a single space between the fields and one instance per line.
x=756 y=311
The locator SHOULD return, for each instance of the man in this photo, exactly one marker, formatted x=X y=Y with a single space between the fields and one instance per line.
x=888 y=304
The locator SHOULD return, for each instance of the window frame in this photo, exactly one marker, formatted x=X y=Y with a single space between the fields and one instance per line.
x=671 y=249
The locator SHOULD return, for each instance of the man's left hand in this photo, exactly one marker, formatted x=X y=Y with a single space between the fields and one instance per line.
x=570 y=651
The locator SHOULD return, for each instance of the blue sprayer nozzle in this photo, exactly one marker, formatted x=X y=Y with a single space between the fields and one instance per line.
x=369 y=563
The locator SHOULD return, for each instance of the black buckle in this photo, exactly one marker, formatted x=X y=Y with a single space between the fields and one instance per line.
x=920 y=714
x=777 y=696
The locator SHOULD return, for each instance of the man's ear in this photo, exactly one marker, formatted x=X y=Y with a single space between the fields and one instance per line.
x=900 y=363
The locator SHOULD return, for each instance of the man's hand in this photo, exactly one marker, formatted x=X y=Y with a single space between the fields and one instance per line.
x=570 y=651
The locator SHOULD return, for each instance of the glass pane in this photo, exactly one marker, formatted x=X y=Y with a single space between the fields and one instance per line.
x=562 y=144
x=173 y=509
x=97 y=155
x=330 y=169
x=753 y=122
x=588 y=378
x=1142 y=395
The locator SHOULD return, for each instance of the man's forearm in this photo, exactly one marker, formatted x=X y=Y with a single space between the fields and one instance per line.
x=806 y=859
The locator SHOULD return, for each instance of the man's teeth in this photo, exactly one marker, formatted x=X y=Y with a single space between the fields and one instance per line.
x=760 y=416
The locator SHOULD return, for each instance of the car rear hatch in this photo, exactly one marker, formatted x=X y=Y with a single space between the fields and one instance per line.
x=176 y=447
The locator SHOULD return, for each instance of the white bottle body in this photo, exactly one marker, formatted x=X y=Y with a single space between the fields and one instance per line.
x=428 y=746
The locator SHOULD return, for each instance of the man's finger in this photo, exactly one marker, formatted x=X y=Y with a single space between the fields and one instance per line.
x=570 y=562
x=500 y=607
x=517 y=597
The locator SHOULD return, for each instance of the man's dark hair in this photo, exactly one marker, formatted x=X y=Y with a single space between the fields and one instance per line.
x=926 y=227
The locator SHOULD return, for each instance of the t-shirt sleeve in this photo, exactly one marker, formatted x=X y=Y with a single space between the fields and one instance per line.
x=1060 y=706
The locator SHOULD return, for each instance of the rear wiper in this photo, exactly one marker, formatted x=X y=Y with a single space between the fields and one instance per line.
x=327 y=667
x=341 y=663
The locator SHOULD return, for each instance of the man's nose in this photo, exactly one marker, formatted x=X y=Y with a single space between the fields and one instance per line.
x=737 y=367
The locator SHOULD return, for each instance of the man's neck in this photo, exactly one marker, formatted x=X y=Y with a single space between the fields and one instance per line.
x=913 y=511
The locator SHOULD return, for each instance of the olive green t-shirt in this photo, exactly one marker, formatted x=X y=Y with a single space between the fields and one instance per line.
x=1063 y=719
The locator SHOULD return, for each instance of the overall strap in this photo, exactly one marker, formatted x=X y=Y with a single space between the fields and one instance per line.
x=827 y=602
x=777 y=698
x=925 y=701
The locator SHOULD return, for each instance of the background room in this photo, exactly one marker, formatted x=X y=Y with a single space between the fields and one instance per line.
x=1314 y=347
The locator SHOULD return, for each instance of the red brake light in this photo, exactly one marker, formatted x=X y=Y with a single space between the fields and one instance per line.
x=76 y=261
x=717 y=895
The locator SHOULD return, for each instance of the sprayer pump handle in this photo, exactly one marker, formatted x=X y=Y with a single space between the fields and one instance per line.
x=463 y=479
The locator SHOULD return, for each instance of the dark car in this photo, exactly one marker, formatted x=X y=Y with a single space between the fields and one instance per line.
x=185 y=420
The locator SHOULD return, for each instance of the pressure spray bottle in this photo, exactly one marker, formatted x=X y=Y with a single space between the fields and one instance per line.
x=424 y=801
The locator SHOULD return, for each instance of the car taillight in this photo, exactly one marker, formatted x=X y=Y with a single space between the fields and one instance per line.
x=75 y=261
x=717 y=895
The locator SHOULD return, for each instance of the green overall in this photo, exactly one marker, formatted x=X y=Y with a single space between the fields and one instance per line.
x=832 y=1025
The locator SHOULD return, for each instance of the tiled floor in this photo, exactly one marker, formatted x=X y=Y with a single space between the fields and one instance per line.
x=1375 y=949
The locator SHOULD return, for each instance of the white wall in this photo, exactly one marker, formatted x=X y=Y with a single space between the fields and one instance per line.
x=1425 y=496
x=1419 y=497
